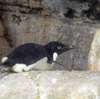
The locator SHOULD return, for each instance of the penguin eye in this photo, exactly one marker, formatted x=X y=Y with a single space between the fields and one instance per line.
x=58 y=47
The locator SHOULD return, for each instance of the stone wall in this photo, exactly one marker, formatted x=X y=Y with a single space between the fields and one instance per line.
x=50 y=85
x=68 y=8
x=4 y=45
x=44 y=21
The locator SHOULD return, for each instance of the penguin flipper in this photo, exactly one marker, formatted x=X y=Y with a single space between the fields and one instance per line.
x=56 y=63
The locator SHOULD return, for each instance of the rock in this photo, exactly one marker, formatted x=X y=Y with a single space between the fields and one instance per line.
x=1 y=29
x=68 y=8
x=94 y=54
x=4 y=45
x=50 y=85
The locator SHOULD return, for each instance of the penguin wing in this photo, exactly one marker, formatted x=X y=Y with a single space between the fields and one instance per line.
x=27 y=54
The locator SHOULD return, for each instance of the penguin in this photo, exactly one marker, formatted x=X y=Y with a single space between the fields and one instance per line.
x=31 y=55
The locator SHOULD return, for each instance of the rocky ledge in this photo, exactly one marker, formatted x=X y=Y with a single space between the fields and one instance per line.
x=50 y=85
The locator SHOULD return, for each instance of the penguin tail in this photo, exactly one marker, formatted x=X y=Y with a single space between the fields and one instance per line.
x=4 y=68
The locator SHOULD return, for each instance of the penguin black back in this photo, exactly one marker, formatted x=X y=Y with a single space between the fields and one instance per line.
x=27 y=53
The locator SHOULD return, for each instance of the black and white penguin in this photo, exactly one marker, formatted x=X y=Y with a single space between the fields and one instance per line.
x=31 y=55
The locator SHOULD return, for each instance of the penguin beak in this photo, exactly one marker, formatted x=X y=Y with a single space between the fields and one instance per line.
x=71 y=47
x=68 y=47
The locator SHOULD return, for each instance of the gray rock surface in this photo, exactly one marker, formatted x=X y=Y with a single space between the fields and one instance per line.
x=50 y=85
x=1 y=29
x=68 y=8
x=94 y=54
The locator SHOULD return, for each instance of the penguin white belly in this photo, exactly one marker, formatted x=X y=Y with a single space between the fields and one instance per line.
x=41 y=65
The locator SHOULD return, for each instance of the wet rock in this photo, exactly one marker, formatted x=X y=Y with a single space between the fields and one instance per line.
x=50 y=85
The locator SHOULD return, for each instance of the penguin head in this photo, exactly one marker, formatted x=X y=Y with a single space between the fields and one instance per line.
x=58 y=47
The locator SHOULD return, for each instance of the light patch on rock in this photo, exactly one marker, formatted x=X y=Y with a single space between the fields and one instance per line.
x=94 y=54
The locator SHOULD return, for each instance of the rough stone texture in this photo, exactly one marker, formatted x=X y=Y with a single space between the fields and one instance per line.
x=94 y=54
x=50 y=85
x=3 y=43
x=4 y=46
x=68 y=8
x=1 y=29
